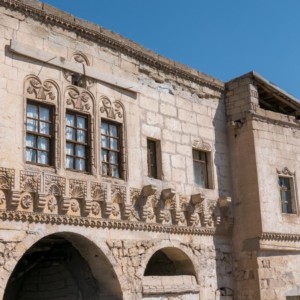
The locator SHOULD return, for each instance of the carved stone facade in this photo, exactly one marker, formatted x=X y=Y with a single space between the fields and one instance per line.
x=134 y=236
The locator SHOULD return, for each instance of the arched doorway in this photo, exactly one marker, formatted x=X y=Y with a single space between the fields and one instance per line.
x=63 y=266
x=170 y=273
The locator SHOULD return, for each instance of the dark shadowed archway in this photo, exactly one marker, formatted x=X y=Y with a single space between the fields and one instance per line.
x=169 y=261
x=63 y=266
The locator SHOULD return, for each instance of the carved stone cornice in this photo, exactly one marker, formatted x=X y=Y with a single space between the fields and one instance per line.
x=102 y=36
x=280 y=237
x=102 y=223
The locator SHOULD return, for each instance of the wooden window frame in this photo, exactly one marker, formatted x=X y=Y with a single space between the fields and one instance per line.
x=292 y=207
x=154 y=160
x=37 y=134
x=119 y=149
x=75 y=142
x=201 y=162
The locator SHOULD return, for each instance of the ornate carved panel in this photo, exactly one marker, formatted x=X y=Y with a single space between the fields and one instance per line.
x=77 y=189
x=55 y=185
x=7 y=179
x=112 y=109
x=35 y=88
x=79 y=99
x=285 y=171
x=30 y=181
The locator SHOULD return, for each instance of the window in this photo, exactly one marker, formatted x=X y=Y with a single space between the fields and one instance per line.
x=153 y=159
x=77 y=141
x=286 y=185
x=200 y=163
x=78 y=80
x=39 y=133
x=111 y=149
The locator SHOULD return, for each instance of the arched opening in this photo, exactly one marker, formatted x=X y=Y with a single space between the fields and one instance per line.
x=169 y=262
x=63 y=266
x=170 y=272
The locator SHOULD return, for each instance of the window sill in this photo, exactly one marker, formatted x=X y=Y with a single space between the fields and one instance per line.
x=39 y=167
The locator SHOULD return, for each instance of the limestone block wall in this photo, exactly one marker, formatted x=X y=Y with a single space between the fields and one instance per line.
x=117 y=224
x=277 y=150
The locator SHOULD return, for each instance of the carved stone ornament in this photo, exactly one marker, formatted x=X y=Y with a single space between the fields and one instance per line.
x=52 y=203
x=77 y=189
x=30 y=181
x=200 y=144
x=285 y=171
x=55 y=185
x=26 y=200
x=96 y=208
x=80 y=58
x=2 y=197
x=7 y=179
x=75 y=206
x=36 y=89
x=112 y=110
x=79 y=100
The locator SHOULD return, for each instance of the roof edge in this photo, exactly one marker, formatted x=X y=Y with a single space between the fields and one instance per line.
x=51 y=15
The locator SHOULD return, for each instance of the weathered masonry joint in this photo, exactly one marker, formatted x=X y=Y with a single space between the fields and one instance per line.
x=124 y=175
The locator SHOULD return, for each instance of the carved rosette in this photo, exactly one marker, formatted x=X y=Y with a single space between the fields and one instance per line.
x=112 y=110
x=26 y=201
x=52 y=204
x=79 y=99
x=36 y=89
x=96 y=209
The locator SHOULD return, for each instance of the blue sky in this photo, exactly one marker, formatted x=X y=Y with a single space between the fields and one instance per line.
x=222 y=38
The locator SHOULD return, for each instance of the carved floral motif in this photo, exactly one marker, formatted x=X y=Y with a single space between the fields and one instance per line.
x=112 y=110
x=80 y=100
x=77 y=188
x=30 y=181
x=96 y=208
x=41 y=90
x=7 y=178
x=26 y=201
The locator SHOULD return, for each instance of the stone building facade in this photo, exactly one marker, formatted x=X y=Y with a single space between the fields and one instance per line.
x=124 y=175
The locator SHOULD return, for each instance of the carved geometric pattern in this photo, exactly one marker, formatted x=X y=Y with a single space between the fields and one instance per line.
x=77 y=188
x=201 y=144
x=36 y=89
x=118 y=193
x=30 y=181
x=55 y=185
x=26 y=200
x=79 y=100
x=7 y=179
x=112 y=110
x=102 y=223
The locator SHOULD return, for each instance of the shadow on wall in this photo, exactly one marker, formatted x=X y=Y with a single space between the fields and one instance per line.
x=223 y=250
x=53 y=268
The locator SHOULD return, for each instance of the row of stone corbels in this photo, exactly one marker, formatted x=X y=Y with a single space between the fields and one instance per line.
x=199 y=209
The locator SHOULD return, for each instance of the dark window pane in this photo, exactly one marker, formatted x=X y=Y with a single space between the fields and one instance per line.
x=32 y=111
x=70 y=162
x=200 y=168
x=110 y=155
x=44 y=128
x=31 y=155
x=70 y=149
x=70 y=120
x=43 y=157
x=113 y=131
x=32 y=125
x=113 y=144
x=44 y=114
x=38 y=125
x=104 y=128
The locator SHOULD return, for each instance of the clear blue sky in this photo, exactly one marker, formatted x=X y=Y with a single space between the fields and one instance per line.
x=222 y=38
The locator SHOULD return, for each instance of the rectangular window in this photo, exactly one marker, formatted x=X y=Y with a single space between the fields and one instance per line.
x=77 y=141
x=39 y=133
x=200 y=163
x=152 y=158
x=286 y=185
x=111 y=149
